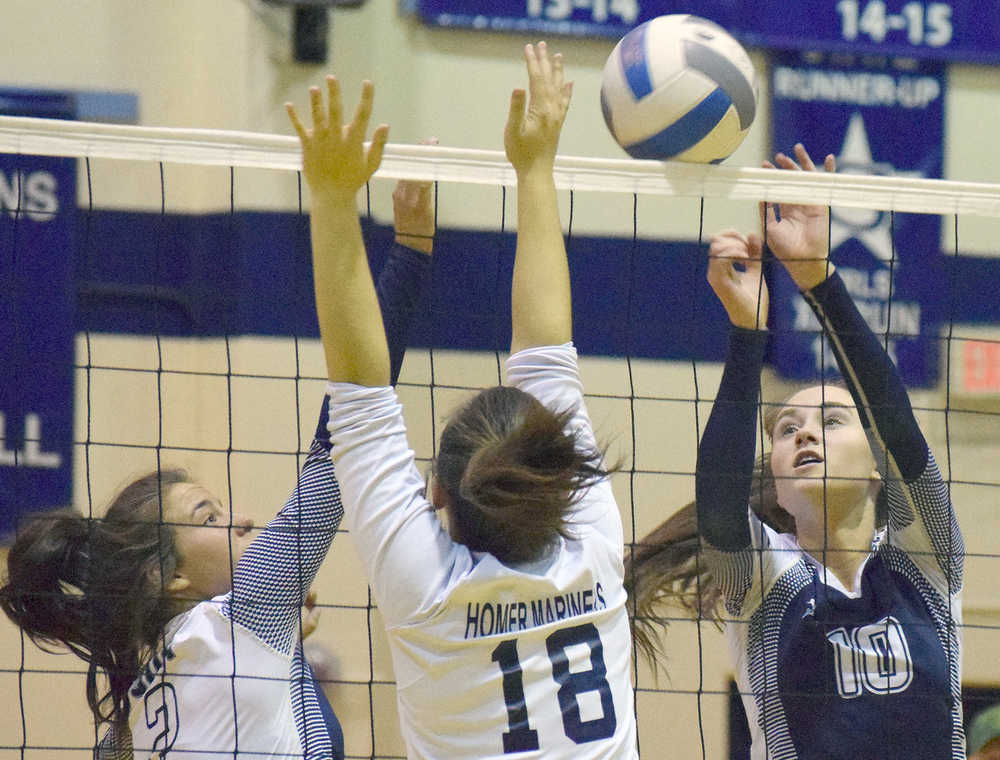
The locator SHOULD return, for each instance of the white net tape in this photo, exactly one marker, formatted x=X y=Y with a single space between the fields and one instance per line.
x=48 y=137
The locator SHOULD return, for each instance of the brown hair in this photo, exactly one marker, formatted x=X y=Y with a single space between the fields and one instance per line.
x=96 y=586
x=511 y=471
x=664 y=569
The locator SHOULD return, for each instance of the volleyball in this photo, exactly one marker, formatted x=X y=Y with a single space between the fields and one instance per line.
x=679 y=87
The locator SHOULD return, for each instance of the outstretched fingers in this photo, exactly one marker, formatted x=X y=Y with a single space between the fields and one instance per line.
x=335 y=157
x=829 y=163
x=544 y=63
x=546 y=78
x=785 y=162
x=515 y=116
x=334 y=109
x=534 y=66
x=805 y=160
x=377 y=147
x=537 y=113
x=359 y=124
x=802 y=161
x=296 y=123
x=316 y=105
x=558 y=77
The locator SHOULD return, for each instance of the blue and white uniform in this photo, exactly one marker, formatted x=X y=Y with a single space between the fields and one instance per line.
x=491 y=661
x=827 y=672
x=231 y=680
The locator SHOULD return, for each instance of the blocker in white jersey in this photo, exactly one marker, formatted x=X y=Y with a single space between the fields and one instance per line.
x=508 y=628
x=490 y=659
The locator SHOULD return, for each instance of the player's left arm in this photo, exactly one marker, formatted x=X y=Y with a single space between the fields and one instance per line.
x=918 y=498
x=921 y=516
x=542 y=361
x=541 y=309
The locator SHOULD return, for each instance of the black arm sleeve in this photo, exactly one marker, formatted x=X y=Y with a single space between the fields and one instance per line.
x=400 y=284
x=399 y=287
x=724 y=471
x=871 y=377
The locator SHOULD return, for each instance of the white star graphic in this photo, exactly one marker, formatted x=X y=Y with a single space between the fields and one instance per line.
x=871 y=227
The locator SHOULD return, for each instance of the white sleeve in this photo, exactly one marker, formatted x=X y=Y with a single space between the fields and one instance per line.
x=746 y=575
x=551 y=374
x=922 y=523
x=407 y=554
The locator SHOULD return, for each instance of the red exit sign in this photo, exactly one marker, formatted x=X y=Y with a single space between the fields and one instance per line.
x=980 y=361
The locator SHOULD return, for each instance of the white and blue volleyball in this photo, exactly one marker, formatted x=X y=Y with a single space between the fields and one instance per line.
x=680 y=88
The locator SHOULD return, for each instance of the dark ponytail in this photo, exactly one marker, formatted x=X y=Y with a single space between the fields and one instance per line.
x=665 y=571
x=511 y=473
x=94 y=586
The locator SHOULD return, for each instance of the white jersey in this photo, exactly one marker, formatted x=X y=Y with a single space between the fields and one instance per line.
x=212 y=666
x=490 y=660
x=231 y=680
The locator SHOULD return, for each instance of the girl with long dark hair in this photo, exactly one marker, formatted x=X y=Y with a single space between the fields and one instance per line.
x=189 y=622
x=840 y=586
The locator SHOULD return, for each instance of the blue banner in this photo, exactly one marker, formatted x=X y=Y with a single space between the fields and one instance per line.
x=881 y=121
x=37 y=324
x=962 y=30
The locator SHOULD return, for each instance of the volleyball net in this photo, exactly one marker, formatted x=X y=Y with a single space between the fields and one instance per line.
x=194 y=344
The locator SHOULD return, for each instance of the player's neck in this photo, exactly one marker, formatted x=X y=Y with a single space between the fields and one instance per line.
x=842 y=542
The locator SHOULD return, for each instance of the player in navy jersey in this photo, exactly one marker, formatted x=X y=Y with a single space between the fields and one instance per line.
x=198 y=629
x=841 y=585
x=508 y=628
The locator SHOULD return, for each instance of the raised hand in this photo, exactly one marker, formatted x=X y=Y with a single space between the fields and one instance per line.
x=337 y=163
x=413 y=211
x=735 y=274
x=335 y=160
x=800 y=240
x=536 y=117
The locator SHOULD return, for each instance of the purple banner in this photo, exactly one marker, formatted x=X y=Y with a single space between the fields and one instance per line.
x=37 y=222
x=877 y=121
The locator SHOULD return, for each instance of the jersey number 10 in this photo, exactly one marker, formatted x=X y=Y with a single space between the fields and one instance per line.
x=521 y=737
x=873 y=658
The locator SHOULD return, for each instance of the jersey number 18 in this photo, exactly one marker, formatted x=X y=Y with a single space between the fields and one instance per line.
x=521 y=737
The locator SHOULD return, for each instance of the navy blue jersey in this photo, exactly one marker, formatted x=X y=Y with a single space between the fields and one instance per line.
x=828 y=671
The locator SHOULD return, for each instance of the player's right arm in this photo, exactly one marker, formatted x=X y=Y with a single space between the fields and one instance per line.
x=407 y=269
x=336 y=164
x=726 y=451
x=275 y=574
x=392 y=524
